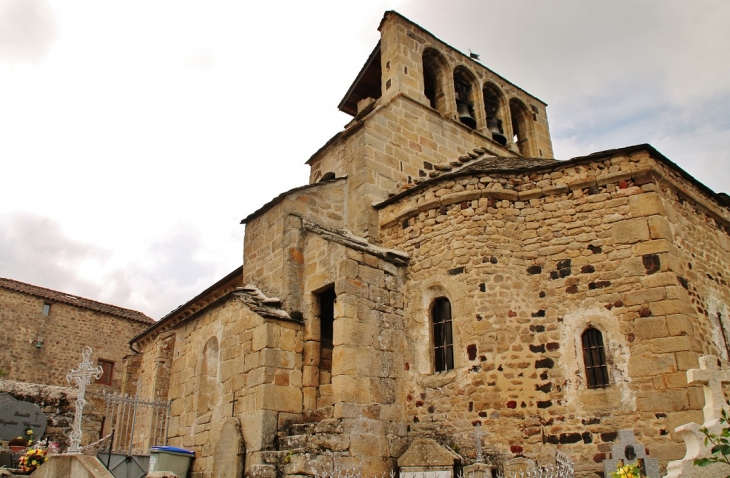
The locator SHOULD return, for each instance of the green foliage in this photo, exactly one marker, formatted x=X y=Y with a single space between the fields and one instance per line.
x=720 y=444
x=632 y=470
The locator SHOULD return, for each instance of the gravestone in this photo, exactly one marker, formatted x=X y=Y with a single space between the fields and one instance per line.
x=229 y=450
x=5 y=398
x=17 y=416
x=627 y=451
x=518 y=466
x=426 y=458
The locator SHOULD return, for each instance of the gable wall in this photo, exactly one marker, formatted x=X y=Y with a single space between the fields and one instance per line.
x=258 y=359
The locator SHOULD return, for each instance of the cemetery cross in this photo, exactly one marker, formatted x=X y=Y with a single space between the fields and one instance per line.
x=82 y=377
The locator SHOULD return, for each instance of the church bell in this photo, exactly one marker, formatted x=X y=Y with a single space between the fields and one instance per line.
x=493 y=126
x=464 y=116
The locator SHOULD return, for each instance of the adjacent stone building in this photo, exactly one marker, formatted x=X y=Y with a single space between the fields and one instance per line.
x=441 y=270
x=44 y=332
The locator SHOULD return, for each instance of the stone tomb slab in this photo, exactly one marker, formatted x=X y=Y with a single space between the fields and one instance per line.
x=17 y=416
x=229 y=450
x=627 y=451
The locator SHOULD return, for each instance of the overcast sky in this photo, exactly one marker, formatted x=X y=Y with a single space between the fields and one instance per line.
x=135 y=135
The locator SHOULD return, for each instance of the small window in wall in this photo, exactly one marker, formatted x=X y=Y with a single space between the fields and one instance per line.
x=46 y=309
x=443 y=342
x=594 y=358
x=107 y=369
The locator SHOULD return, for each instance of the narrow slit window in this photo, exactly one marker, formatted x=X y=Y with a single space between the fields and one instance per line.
x=443 y=341
x=46 y=309
x=594 y=358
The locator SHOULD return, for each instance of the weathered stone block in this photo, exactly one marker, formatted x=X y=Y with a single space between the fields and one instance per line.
x=352 y=332
x=645 y=296
x=330 y=441
x=278 y=358
x=659 y=228
x=347 y=388
x=650 y=365
x=632 y=266
x=660 y=279
x=657 y=246
x=663 y=400
x=681 y=343
x=687 y=360
x=646 y=204
x=670 y=307
x=366 y=444
x=651 y=327
x=283 y=399
x=630 y=231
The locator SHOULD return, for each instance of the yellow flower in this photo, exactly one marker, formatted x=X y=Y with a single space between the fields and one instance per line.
x=29 y=432
x=33 y=462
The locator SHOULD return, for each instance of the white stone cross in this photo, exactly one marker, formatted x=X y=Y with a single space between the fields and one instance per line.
x=711 y=377
x=478 y=439
x=82 y=377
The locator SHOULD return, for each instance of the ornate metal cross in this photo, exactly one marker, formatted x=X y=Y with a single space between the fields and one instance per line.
x=82 y=377
x=478 y=440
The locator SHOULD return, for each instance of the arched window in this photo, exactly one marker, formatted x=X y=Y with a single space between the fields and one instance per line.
x=465 y=97
x=594 y=358
x=443 y=341
x=493 y=110
x=521 y=126
x=434 y=67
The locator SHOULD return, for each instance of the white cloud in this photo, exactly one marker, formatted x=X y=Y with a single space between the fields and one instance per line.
x=27 y=30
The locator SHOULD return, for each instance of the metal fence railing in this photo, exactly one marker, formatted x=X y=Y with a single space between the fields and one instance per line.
x=136 y=424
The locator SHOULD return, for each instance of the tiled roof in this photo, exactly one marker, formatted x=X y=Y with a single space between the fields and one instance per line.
x=56 y=296
x=195 y=305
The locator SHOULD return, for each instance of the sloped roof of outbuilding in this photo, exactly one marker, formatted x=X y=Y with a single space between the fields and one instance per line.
x=200 y=302
x=62 y=297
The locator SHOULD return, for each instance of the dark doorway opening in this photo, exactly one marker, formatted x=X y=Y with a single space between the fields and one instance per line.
x=326 y=299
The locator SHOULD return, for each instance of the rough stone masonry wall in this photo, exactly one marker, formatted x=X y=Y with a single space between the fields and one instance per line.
x=703 y=244
x=65 y=333
x=529 y=262
x=259 y=359
x=267 y=247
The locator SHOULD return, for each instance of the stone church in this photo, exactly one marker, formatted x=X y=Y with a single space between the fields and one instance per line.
x=441 y=270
